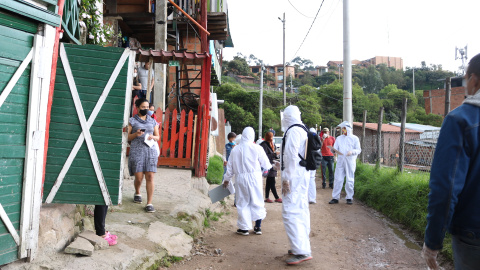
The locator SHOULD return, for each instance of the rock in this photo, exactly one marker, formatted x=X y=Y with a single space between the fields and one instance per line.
x=80 y=246
x=87 y=224
x=173 y=239
x=97 y=241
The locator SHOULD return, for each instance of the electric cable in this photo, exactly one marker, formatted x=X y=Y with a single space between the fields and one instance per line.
x=299 y=11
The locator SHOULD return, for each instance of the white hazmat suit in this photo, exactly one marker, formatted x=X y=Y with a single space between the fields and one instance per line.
x=349 y=146
x=244 y=162
x=312 y=187
x=295 y=181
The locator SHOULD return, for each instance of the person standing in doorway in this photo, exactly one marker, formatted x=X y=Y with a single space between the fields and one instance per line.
x=272 y=131
x=295 y=180
x=348 y=148
x=328 y=159
x=271 y=151
x=454 y=199
x=143 y=78
x=142 y=160
x=245 y=163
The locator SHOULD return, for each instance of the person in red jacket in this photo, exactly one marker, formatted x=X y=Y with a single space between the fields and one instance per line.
x=327 y=157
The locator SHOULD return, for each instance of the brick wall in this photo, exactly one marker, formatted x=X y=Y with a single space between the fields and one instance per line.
x=435 y=100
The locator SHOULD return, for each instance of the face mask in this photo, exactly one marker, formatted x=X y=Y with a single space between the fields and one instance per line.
x=143 y=112
x=150 y=113
x=135 y=74
x=344 y=131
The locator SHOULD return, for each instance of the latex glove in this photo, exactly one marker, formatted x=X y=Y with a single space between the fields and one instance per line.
x=276 y=165
x=349 y=153
x=430 y=257
x=285 y=188
x=225 y=184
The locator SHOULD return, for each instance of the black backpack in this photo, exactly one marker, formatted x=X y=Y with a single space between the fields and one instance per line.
x=314 y=156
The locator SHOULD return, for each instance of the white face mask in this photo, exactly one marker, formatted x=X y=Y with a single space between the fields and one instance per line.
x=135 y=74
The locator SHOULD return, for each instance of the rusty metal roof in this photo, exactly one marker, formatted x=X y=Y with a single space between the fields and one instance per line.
x=189 y=58
x=385 y=127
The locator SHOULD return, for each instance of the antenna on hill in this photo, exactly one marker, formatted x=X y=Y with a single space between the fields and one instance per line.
x=461 y=53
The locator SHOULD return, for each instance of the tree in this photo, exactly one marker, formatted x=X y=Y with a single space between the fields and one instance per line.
x=371 y=80
x=238 y=117
x=325 y=78
x=270 y=119
x=309 y=105
x=420 y=117
x=238 y=66
x=303 y=64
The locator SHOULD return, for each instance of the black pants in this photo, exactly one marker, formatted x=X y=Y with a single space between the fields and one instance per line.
x=99 y=215
x=270 y=185
x=327 y=162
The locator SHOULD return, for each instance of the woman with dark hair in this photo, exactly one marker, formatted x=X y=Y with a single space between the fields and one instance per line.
x=142 y=160
x=270 y=149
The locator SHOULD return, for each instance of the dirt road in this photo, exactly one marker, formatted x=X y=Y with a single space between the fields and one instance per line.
x=342 y=237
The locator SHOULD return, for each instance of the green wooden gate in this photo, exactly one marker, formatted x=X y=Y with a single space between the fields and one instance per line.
x=16 y=43
x=85 y=158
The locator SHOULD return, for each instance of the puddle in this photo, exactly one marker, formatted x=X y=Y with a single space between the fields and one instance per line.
x=407 y=242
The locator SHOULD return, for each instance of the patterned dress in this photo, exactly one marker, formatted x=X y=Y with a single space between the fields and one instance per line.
x=142 y=158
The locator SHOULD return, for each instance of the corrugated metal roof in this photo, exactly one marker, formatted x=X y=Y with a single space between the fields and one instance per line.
x=385 y=127
x=189 y=58
x=417 y=127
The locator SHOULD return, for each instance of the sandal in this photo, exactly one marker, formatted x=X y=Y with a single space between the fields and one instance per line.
x=113 y=236
x=110 y=240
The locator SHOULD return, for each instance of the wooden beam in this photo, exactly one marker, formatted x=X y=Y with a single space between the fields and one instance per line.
x=13 y=81
x=9 y=225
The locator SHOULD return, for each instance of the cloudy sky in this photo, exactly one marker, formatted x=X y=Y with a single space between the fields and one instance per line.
x=416 y=30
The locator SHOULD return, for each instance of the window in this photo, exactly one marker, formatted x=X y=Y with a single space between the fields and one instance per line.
x=280 y=77
x=280 y=69
x=255 y=70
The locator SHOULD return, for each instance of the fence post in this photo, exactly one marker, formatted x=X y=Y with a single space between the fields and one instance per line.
x=362 y=154
x=379 y=136
x=448 y=90
x=401 y=155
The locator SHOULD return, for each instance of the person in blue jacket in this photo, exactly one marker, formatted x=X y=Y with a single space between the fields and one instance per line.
x=454 y=199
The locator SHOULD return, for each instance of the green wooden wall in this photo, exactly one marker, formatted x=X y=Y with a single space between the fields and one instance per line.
x=16 y=41
x=91 y=67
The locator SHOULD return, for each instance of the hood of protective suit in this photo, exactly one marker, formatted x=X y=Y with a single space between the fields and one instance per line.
x=238 y=139
x=348 y=126
x=291 y=115
x=474 y=100
x=248 y=135
x=313 y=130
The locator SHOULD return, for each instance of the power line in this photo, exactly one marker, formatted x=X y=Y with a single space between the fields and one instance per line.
x=309 y=29
x=299 y=11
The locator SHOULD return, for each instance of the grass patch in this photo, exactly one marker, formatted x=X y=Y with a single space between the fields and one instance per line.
x=215 y=170
x=165 y=262
x=403 y=197
x=211 y=216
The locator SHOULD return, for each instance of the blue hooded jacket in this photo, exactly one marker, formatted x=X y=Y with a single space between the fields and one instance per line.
x=454 y=199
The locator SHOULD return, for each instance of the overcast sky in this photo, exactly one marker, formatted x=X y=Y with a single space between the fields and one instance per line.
x=415 y=30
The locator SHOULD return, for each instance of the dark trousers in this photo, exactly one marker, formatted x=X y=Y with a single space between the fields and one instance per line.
x=99 y=215
x=327 y=162
x=270 y=185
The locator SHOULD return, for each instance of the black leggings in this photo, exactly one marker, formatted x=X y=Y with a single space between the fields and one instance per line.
x=270 y=185
x=99 y=215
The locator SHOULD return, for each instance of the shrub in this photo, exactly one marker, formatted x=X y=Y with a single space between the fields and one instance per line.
x=215 y=170
x=403 y=197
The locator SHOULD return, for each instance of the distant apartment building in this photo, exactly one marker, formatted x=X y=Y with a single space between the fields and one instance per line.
x=395 y=62
x=321 y=70
x=277 y=72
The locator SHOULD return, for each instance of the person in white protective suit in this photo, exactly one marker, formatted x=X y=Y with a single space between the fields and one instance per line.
x=295 y=181
x=245 y=163
x=347 y=147
x=312 y=187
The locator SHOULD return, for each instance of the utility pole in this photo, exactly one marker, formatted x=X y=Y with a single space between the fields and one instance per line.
x=413 y=79
x=160 y=44
x=448 y=90
x=284 y=79
x=260 y=113
x=347 y=65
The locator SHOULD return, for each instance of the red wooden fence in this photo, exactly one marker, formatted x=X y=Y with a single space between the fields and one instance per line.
x=176 y=138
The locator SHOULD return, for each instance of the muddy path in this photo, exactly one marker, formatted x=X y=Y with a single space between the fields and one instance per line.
x=342 y=237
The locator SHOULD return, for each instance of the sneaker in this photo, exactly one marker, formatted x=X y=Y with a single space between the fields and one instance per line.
x=110 y=240
x=296 y=259
x=349 y=201
x=242 y=232
x=290 y=252
x=279 y=200
x=149 y=208
x=268 y=200
x=324 y=186
x=258 y=231
x=137 y=198
x=312 y=202
x=331 y=186
x=113 y=236
x=333 y=201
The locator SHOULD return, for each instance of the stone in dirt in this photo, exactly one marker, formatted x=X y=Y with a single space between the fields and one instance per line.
x=80 y=246
x=97 y=241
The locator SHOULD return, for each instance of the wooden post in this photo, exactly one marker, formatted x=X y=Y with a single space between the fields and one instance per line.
x=160 y=44
x=401 y=149
x=362 y=154
x=448 y=90
x=379 y=136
